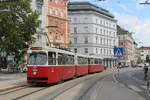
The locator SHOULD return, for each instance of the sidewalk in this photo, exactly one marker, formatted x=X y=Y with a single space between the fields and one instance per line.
x=9 y=80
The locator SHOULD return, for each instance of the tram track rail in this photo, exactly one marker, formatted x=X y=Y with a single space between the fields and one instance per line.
x=76 y=84
x=17 y=88
x=20 y=93
x=30 y=93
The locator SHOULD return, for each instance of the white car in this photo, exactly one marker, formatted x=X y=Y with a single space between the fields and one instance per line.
x=140 y=65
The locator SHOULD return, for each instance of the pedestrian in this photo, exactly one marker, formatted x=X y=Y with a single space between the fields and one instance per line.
x=119 y=66
x=146 y=71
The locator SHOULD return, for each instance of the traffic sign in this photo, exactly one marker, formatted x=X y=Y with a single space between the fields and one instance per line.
x=118 y=52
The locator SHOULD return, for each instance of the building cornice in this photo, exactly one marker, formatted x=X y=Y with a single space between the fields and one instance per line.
x=86 y=6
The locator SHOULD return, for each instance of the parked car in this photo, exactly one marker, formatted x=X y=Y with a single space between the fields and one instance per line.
x=140 y=65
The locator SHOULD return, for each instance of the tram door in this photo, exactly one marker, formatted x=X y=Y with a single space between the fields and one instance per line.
x=3 y=62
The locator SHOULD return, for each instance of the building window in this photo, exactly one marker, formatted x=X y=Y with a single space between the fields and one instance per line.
x=110 y=52
x=50 y=11
x=101 y=51
x=96 y=30
x=75 y=50
x=104 y=31
x=86 y=18
x=62 y=14
x=96 y=39
x=101 y=22
x=100 y=40
x=75 y=29
x=75 y=39
x=56 y=12
x=50 y=22
x=75 y=20
x=56 y=36
x=104 y=52
x=122 y=43
x=39 y=9
x=61 y=36
x=100 y=31
x=56 y=23
x=86 y=28
x=56 y=1
x=86 y=50
x=50 y=35
x=96 y=21
x=96 y=51
x=86 y=40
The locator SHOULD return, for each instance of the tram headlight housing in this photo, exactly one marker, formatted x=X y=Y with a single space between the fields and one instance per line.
x=34 y=73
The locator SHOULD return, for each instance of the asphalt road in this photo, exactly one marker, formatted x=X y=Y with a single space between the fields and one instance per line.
x=135 y=81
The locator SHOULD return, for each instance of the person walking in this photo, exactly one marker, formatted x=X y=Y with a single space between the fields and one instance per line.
x=118 y=66
x=146 y=71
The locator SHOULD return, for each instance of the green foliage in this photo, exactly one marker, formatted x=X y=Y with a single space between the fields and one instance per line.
x=147 y=59
x=18 y=24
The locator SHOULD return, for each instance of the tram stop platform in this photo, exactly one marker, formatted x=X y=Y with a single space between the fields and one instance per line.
x=11 y=80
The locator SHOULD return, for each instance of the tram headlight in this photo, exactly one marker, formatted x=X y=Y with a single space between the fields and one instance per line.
x=34 y=73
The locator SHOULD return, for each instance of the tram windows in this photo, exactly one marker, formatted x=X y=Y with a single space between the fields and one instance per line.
x=96 y=61
x=39 y=58
x=100 y=61
x=64 y=59
x=51 y=58
x=69 y=59
x=82 y=60
x=61 y=59
x=91 y=61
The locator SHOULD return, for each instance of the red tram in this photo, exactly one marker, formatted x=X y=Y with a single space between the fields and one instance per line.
x=51 y=65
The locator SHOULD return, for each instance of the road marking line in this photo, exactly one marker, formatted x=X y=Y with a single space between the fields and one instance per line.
x=134 y=88
x=143 y=86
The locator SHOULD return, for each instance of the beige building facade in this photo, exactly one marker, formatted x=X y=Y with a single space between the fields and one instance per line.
x=127 y=42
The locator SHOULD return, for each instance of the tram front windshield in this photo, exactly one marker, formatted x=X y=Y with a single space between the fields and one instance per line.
x=39 y=58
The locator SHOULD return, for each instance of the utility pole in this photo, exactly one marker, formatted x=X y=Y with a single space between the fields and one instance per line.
x=145 y=3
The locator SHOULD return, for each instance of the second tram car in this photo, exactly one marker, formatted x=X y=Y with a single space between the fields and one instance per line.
x=51 y=65
x=95 y=64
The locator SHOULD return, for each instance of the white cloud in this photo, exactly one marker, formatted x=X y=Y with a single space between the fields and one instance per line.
x=140 y=27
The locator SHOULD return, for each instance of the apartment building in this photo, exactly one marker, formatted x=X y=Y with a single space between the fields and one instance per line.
x=143 y=52
x=127 y=42
x=54 y=29
x=93 y=30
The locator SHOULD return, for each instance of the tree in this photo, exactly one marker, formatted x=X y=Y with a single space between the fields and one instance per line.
x=147 y=59
x=18 y=24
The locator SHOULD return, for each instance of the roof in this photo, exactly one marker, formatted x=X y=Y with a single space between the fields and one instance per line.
x=86 y=6
x=144 y=48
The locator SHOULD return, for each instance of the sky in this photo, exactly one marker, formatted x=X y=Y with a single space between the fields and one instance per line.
x=130 y=15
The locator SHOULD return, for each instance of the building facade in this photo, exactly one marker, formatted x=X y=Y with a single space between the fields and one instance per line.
x=127 y=42
x=93 y=30
x=54 y=29
x=143 y=51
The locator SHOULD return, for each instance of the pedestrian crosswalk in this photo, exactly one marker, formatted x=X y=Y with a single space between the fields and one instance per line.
x=140 y=88
x=134 y=88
